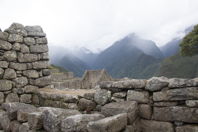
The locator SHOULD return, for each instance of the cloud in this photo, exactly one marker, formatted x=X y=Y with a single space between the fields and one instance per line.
x=96 y=24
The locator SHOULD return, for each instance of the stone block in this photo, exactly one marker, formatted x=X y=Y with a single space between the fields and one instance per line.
x=139 y=96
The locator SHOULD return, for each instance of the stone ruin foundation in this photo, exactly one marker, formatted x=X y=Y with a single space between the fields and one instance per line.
x=29 y=104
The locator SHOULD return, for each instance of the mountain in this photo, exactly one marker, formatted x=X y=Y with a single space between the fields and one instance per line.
x=130 y=57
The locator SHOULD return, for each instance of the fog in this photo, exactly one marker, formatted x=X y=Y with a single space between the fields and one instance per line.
x=96 y=24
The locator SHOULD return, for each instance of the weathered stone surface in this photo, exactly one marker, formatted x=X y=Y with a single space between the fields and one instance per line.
x=165 y=103
x=86 y=105
x=139 y=96
x=15 y=38
x=29 y=41
x=123 y=84
x=40 y=65
x=12 y=97
x=22 y=114
x=52 y=117
x=14 y=126
x=177 y=83
x=38 y=48
x=120 y=94
x=45 y=56
x=145 y=111
x=10 y=55
x=35 y=120
x=129 y=107
x=16 y=47
x=78 y=123
x=192 y=103
x=4 y=64
x=156 y=83
x=27 y=57
x=4 y=36
x=46 y=72
x=1 y=72
x=24 y=48
x=110 y=124
x=1 y=97
x=43 y=81
x=21 y=81
x=16 y=28
x=5 y=45
x=18 y=66
x=5 y=85
x=102 y=96
x=35 y=100
x=35 y=31
x=9 y=74
x=187 y=128
x=26 y=98
x=30 y=89
x=31 y=74
x=42 y=40
x=192 y=82
x=115 y=99
x=176 y=113
x=176 y=94
x=135 y=127
x=156 y=126
x=24 y=127
x=5 y=121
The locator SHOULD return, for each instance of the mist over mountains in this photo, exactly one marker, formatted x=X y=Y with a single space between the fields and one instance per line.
x=131 y=56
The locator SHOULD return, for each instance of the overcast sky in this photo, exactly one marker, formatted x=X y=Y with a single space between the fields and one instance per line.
x=96 y=24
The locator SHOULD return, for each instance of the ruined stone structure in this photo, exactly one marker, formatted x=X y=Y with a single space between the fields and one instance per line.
x=158 y=104
x=23 y=63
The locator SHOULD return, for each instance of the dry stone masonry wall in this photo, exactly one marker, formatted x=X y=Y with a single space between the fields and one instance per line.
x=23 y=63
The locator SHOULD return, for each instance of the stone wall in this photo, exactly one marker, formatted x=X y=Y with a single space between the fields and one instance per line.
x=23 y=63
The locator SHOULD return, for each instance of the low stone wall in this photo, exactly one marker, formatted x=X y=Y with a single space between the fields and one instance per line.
x=23 y=63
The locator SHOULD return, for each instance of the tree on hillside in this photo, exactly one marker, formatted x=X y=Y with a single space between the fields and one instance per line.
x=189 y=44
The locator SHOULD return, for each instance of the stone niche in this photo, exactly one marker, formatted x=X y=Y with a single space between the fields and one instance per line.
x=23 y=63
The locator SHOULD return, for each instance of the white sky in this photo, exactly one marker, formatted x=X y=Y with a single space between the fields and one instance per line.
x=96 y=24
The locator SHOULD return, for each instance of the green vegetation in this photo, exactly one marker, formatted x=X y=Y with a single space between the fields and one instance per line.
x=189 y=45
x=61 y=69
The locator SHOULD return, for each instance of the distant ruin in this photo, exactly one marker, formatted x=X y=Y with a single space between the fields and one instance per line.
x=32 y=100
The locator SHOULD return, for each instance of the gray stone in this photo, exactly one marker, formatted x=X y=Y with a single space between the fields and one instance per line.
x=26 y=98
x=31 y=74
x=29 y=41
x=38 y=48
x=4 y=64
x=190 y=93
x=115 y=99
x=139 y=96
x=30 y=89
x=187 y=128
x=24 y=48
x=12 y=97
x=40 y=65
x=129 y=107
x=35 y=100
x=22 y=114
x=120 y=95
x=16 y=28
x=165 y=104
x=14 y=126
x=135 y=127
x=5 y=45
x=192 y=82
x=110 y=124
x=27 y=57
x=10 y=55
x=78 y=123
x=177 y=83
x=156 y=126
x=4 y=36
x=9 y=74
x=156 y=83
x=43 y=81
x=5 y=121
x=35 y=120
x=35 y=31
x=1 y=97
x=46 y=72
x=18 y=66
x=24 y=127
x=21 y=81
x=16 y=46
x=72 y=106
x=5 y=85
x=102 y=96
x=15 y=38
x=86 y=105
x=42 y=40
x=192 y=103
x=145 y=111
x=176 y=113
x=52 y=117
x=1 y=72
x=45 y=56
